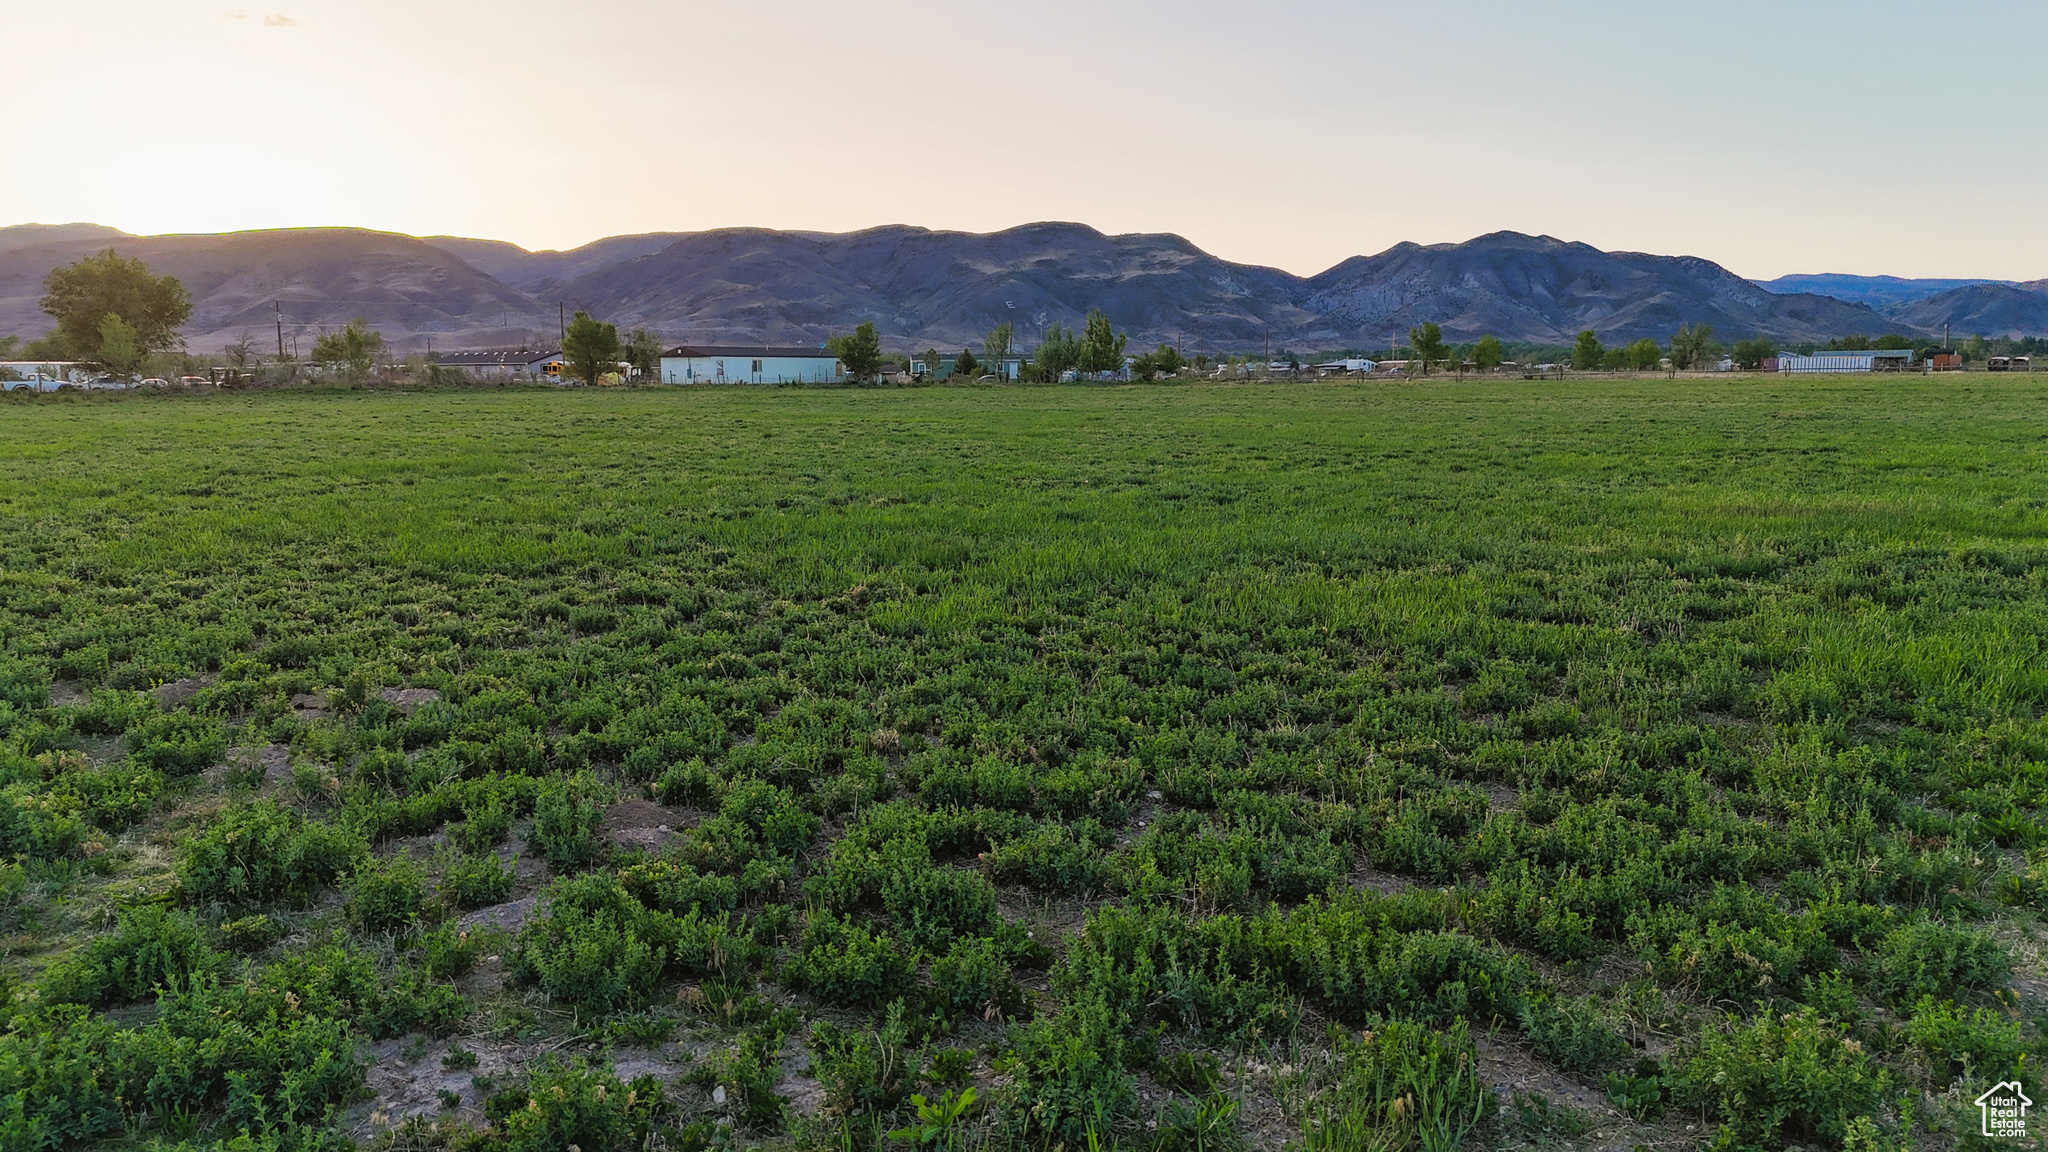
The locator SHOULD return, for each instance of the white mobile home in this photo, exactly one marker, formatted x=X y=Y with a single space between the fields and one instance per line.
x=749 y=364
x=1841 y=362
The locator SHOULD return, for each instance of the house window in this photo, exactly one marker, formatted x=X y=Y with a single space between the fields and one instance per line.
x=757 y=365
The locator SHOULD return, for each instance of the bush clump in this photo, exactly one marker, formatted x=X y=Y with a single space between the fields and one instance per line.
x=566 y=817
x=581 y=1105
x=256 y=852
x=844 y=963
x=151 y=948
x=386 y=894
x=1781 y=1079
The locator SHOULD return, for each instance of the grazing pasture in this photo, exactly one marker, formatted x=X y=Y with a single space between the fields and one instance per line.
x=1350 y=766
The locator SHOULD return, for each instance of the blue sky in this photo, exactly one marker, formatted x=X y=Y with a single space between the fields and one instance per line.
x=1772 y=137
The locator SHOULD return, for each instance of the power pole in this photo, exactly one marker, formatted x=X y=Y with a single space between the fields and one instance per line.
x=278 y=307
x=561 y=324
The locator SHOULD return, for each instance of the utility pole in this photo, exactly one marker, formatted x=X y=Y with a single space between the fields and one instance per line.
x=561 y=324
x=278 y=307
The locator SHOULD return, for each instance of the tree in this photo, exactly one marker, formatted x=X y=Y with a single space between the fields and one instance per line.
x=81 y=296
x=1691 y=346
x=1163 y=361
x=354 y=349
x=931 y=363
x=120 y=351
x=1428 y=342
x=1749 y=355
x=966 y=365
x=643 y=350
x=1644 y=355
x=1586 y=351
x=590 y=348
x=1058 y=354
x=9 y=345
x=1893 y=343
x=1488 y=353
x=997 y=345
x=1101 y=349
x=861 y=353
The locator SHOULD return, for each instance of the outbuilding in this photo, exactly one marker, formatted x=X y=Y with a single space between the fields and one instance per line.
x=517 y=364
x=749 y=364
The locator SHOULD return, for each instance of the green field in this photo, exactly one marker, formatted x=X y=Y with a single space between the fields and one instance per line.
x=1343 y=766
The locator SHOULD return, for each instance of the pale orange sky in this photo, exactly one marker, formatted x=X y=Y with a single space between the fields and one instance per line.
x=1771 y=137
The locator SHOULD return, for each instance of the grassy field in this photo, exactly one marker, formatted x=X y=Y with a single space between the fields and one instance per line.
x=1349 y=766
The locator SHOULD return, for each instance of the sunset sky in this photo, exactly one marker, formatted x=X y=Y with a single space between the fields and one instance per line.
x=1773 y=136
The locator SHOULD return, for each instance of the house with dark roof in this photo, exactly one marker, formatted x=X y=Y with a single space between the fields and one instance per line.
x=749 y=364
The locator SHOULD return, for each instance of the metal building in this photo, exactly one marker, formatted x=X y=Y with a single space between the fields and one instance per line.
x=1844 y=362
x=749 y=364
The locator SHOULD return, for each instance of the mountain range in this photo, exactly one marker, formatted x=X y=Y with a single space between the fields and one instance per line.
x=947 y=289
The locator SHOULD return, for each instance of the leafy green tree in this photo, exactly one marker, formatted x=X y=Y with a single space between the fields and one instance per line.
x=590 y=348
x=1058 y=353
x=966 y=365
x=1645 y=355
x=997 y=345
x=1488 y=354
x=1749 y=355
x=1428 y=342
x=643 y=350
x=120 y=350
x=1587 y=352
x=9 y=345
x=81 y=296
x=1893 y=343
x=1101 y=349
x=1691 y=346
x=931 y=363
x=354 y=348
x=861 y=352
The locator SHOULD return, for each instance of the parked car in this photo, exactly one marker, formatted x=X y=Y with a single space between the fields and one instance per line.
x=156 y=382
x=192 y=381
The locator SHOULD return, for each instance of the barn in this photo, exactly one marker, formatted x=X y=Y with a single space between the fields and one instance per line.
x=749 y=364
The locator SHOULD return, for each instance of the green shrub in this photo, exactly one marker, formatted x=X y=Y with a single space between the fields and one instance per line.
x=594 y=946
x=1057 y=857
x=40 y=824
x=751 y=1070
x=1977 y=1044
x=972 y=982
x=1067 y=1075
x=177 y=743
x=1927 y=958
x=386 y=894
x=485 y=823
x=843 y=963
x=932 y=905
x=679 y=887
x=1573 y=1034
x=119 y=794
x=151 y=947
x=256 y=852
x=864 y=1073
x=476 y=880
x=773 y=814
x=1781 y=1079
x=584 y=1105
x=449 y=951
x=1409 y=1084
x=566 y=818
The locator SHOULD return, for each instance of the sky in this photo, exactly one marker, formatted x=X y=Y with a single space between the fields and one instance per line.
x=1772 y=136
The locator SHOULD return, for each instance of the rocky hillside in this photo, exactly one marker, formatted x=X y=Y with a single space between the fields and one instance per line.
x=925 y=288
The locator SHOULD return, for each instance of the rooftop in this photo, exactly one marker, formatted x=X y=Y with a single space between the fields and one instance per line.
x=763 y=351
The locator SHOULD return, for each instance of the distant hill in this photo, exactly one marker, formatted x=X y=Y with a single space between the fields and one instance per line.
x=946 y=288
x=323 y=278
x=926 y=288
x=541 y=272
x=1880 y=292
x=1980 y=310
x=1543 y=289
